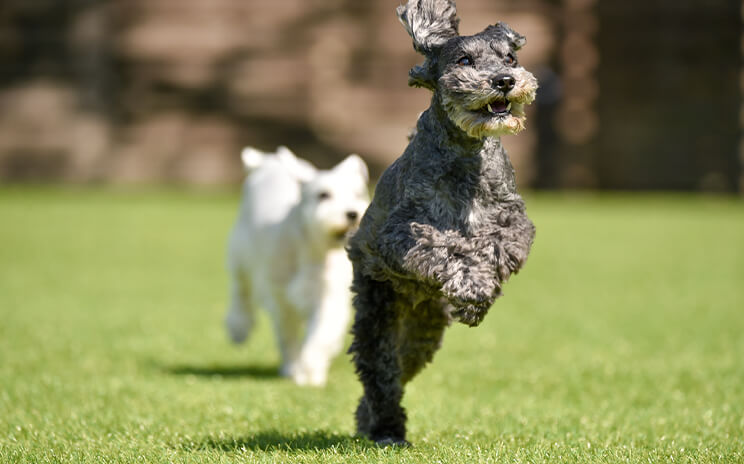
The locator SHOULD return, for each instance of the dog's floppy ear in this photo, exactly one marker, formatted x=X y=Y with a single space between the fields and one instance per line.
x=353 y=164
x=298 y=168
x=431 y=23
x=516 y=40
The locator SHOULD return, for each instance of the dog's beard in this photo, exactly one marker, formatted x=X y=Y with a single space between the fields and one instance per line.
x=489 y=114
x=340 y=234
x=481 y=122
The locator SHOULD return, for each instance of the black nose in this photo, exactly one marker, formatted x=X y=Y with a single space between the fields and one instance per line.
x=352 y=215
x=504 y=83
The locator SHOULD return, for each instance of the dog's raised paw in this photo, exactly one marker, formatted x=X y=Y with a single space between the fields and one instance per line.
x=471 y=291
x=470 y=315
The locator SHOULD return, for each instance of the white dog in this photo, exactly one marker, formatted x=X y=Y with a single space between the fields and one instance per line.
x=286 y=254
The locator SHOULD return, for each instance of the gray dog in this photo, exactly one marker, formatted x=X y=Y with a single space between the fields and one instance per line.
x=446 y=227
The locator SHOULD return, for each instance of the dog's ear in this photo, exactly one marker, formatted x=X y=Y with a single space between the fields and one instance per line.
x=298 y=168
x=515 y=39
x=431 y=23
x=354 y=164
x=251 y=158
x=423 y=75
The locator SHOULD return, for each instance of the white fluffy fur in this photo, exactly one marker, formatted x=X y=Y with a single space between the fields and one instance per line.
x=286 y=255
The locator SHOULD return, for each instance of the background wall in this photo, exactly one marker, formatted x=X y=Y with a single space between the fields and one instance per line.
x=639 y=94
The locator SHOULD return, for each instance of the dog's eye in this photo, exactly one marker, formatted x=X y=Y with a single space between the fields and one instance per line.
x=324 y=195
x=510 y=60
x=465 y=61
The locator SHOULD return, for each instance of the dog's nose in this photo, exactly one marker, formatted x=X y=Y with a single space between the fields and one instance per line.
x=504 y=83
x=352 y=215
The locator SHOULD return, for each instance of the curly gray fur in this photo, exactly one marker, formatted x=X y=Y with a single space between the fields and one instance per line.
x=446 y=227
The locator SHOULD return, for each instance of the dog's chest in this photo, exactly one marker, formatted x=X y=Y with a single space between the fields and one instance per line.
x=468 y=192
x=316 y=280
x=305 y=288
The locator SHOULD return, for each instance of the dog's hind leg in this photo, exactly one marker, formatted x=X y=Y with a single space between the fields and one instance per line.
x=421 y=336
x=240 y=314
x=380 y=415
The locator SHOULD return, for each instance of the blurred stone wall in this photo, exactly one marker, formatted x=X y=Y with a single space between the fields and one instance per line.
x=151 y=90
x=142 y=91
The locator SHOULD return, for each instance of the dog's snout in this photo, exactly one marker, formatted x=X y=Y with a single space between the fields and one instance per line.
x=504 y=82
x=352 y=215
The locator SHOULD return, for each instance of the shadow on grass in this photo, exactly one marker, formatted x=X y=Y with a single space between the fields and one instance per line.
x=273 y=440
x=219 y=371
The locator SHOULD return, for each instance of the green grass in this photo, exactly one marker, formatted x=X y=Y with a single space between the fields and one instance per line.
x=621 y=341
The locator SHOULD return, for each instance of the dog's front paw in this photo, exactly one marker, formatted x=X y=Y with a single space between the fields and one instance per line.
x=305 y=375
x=470 y=315
x=469 y=312
x=471 y=295
x=471 y=286
x=312 y=379
x=510 y=260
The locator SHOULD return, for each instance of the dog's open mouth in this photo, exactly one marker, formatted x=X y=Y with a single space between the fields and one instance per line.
x=498 y=108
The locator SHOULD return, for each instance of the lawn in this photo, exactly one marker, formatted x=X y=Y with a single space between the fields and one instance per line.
x=621 y=341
